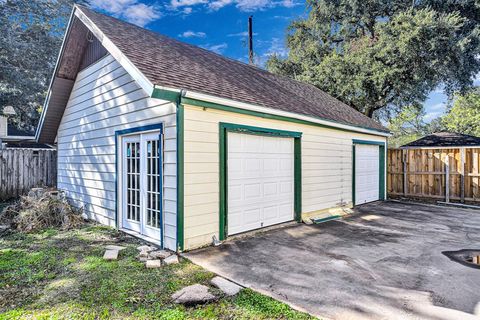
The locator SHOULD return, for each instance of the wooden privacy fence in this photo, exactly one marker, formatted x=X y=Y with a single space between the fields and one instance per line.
x=449 y=174
x=23 y=169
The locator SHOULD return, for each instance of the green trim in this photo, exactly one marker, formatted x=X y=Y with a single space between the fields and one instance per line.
x=180 y=176
x=297 y=149
x=173 y=96
x=318 y=221
x=224 y=128
x=223 y=182
x=381 y=189
x=381 y=167
x=166 y=95
x=259 y=130
x=377 y=143
x=353 y=174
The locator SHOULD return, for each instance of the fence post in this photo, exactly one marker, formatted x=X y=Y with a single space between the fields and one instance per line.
x=447 y=178
x=405 y=183
x=462 y=174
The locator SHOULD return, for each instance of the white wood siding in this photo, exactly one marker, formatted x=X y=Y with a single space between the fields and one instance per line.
x=326 y=168
x=104 y=99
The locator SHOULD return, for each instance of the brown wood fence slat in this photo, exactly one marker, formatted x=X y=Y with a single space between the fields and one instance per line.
x=23 y=169
x=426 y=173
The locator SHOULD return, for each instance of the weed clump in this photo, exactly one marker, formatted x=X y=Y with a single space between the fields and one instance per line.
x=41 y=209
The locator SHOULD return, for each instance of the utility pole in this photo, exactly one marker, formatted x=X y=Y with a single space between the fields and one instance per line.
x=250 y=40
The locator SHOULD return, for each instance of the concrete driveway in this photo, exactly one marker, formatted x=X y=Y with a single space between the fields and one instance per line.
x=384 y=262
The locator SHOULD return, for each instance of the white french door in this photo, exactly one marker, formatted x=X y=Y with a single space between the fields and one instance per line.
x=141 y=184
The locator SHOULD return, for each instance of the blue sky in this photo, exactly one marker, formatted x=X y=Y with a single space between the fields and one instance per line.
x=221 y=26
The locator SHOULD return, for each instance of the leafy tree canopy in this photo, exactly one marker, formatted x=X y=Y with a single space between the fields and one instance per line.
x=464 y=115
x=30 y=38
x=406 y=126
x=378 y=55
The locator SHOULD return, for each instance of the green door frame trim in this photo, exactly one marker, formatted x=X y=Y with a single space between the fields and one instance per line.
x=173 y=96
x=381 y=160
x=180 y=174
x=224 y=128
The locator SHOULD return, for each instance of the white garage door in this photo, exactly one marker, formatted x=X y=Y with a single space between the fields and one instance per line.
x=260 y=179
x=366 y=173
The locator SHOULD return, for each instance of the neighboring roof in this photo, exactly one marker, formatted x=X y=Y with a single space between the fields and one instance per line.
x=171 y=63
x=14 y=131
x=27 y=145
x=445 y=139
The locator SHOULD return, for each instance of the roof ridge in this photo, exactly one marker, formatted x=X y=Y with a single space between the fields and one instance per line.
x=241 y=63
x=169 y=62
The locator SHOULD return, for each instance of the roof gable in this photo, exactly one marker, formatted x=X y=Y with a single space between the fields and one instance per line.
x=156 y=60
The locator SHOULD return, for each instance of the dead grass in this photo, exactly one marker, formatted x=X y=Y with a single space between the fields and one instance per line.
x=41 y=210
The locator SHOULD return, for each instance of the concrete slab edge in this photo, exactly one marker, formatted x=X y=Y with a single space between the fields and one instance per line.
x=264 y=292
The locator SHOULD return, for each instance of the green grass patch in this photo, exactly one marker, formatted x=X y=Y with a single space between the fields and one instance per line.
x=61 y=275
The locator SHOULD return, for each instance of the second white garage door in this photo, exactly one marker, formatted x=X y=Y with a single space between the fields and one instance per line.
x=260 y=180
x=367 y=173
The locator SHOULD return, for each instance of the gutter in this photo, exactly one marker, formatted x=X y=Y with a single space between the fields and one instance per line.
x=170 y=94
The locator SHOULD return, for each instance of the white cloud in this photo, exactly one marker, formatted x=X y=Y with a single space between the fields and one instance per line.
x=186 y=3
x=434 y=111
x=218 y=4
x=277 y=47
x=192 y=34
x=241 y=34
x=267 y=48
x=242 y=5
x=131 y=10
x=187 y=10
x=217 y=48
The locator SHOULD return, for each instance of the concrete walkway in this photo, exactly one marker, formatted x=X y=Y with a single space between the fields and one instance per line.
x=384 y=262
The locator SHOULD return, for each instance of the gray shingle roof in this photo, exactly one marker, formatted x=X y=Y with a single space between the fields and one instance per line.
x=171 y=63
x=445 y=139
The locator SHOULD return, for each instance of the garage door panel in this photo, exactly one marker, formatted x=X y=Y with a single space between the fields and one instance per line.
x=260 y=173
x=367 y=177
x=252 y=191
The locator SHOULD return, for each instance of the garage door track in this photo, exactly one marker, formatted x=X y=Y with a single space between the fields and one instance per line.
x=383 y=262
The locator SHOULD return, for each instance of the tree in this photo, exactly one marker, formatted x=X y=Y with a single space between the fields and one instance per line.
x=30 y=38
x=375 y=54
x=464 y=115
x=407 y=126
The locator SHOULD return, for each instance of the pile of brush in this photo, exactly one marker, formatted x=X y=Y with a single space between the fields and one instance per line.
x=41 y=209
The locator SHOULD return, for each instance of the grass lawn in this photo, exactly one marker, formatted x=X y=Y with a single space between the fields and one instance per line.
x=61 y=275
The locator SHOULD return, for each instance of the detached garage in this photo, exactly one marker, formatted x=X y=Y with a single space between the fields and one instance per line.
x=179 y=146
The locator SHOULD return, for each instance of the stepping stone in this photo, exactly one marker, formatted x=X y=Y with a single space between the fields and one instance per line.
x=152 y=264
x=142 y=259
x=192 y=295
x=143 y=254
x=114 y=247
x=111 y=255
x=146 y=248
x=171 y=259
x=228 y=287
x=159 y=254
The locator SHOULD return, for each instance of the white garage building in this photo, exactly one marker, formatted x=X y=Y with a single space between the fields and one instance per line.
x=177 y=145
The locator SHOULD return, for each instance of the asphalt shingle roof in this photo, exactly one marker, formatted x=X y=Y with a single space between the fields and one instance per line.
x=445 y=139
x=171 y=63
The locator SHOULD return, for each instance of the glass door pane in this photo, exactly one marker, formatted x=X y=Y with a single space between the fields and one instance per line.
x=131 y=167
x=152 y=188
